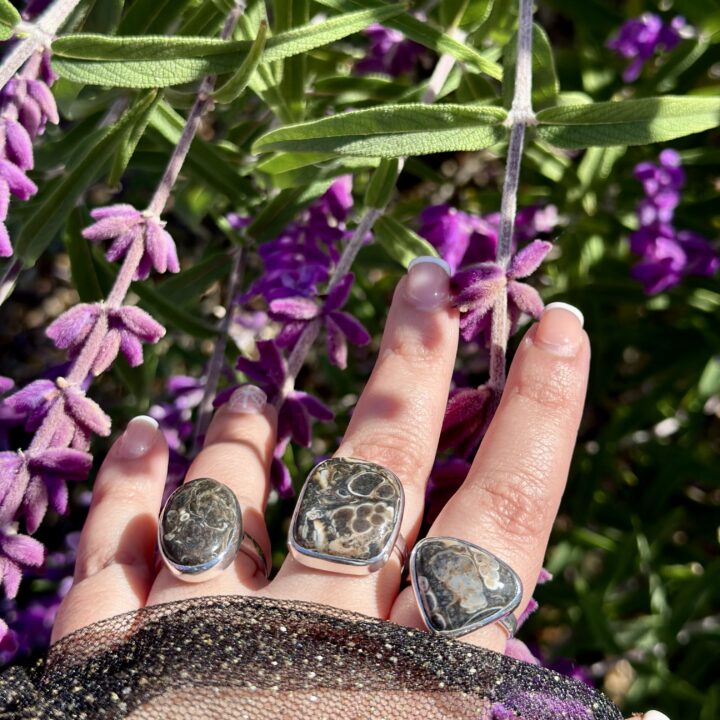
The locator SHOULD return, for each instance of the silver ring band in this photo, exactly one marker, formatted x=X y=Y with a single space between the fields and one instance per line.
x=509 y=625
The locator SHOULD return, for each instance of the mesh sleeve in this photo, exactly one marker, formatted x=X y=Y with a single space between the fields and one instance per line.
x=257 y=658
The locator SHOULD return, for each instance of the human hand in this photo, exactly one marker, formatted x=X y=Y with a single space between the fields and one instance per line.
x=507 y=504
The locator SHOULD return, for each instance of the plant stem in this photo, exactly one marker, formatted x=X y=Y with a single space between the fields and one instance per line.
x=205 y=408
x=202 y=103
x=9 y=278
x=39 y=34
x=521 y=115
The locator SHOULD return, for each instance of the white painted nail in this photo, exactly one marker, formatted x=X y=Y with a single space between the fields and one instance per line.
x=655 y=715
x=247 y=399
x=430 y=259
x=569 y=308
x=139 y=436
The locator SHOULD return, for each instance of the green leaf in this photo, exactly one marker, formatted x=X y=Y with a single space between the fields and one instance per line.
x=630 y=122
x=382 y=184
x=234 y=87
x=162 y=60
x=55 y=202
x=129 y=143
x=9 y=18
x=82 y=266
x=392 y=131
x=186 y=286
x=401 y=243
x=427 y=35
x=545 y=85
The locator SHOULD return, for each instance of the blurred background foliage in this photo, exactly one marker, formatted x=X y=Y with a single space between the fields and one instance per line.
x=635 y=600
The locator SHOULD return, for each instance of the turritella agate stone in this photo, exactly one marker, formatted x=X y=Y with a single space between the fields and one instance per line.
x=461 y=587
x=200 y=528
x=349 y=514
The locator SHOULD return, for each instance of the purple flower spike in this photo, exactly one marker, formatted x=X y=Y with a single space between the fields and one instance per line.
x=128 y=328
x=14 y=180
x=467 y=416
x=667 y=254
x=17 y=552
x=640 y=38
x=297 y=312
x=125 y=226
x=16 y=141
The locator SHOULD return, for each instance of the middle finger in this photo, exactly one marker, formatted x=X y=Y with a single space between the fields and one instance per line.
x=396 y=423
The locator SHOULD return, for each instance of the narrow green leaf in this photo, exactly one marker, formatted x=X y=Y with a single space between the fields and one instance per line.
x=400 y=243
x=287 y=162
x=82 y=266
x=426 y=35
x=545 y=85
x=53 y=205
x=161 y=60
x=392 y=131
x=313 y=35
x=129 y=143
x=630 y=122
x=234 y=87
x=382 y=184
x=188 y=285
x=9 y=18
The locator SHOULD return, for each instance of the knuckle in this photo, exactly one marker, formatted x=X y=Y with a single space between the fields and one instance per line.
x=557 y=389
x=516 y=506
x=399 y=451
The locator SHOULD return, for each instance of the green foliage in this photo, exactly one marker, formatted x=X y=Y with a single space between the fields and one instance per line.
x=629 y=122
x=401 y=243
x=392 y=131
x=9 y=17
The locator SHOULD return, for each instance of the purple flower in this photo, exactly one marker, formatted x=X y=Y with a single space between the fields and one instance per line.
x=36 y=399
x=300 y=260
x=128 y=328
x=126 y=226
x=16 y=553
x=298 y=312
x=475 y=289
x=12 y=180
x=640 y=38
x=390 y=53
x=446 y=477
x=467 y=416
x=667 y=254
x=30 y=481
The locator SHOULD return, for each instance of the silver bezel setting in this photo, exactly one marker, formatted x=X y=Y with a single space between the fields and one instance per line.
x=347 y=566
x=212 y=568
x=470 y=627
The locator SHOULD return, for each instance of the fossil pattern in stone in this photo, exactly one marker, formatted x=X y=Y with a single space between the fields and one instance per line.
x=461 y=586
x=201 y=522
x=348 y=509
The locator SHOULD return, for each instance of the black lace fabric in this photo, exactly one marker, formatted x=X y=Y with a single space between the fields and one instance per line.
x=236 y=657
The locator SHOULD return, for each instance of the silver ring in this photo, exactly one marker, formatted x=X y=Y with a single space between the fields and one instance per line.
x=200 y=531
x=461 y=587
x=347 y=518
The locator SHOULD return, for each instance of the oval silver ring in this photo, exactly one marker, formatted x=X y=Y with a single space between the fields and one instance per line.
x=200 y=532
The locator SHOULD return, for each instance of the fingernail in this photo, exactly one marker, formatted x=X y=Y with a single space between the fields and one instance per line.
x=139 y=436
x=560 y=329
x=247 y=399
x=427 y=284
x=655 y=715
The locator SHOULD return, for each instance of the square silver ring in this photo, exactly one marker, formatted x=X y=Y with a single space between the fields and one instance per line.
x=347 y=518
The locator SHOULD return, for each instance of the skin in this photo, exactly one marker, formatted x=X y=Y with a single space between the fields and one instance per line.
x=507 y=504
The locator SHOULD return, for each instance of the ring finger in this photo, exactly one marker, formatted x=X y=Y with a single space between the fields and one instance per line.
x=396 y=424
